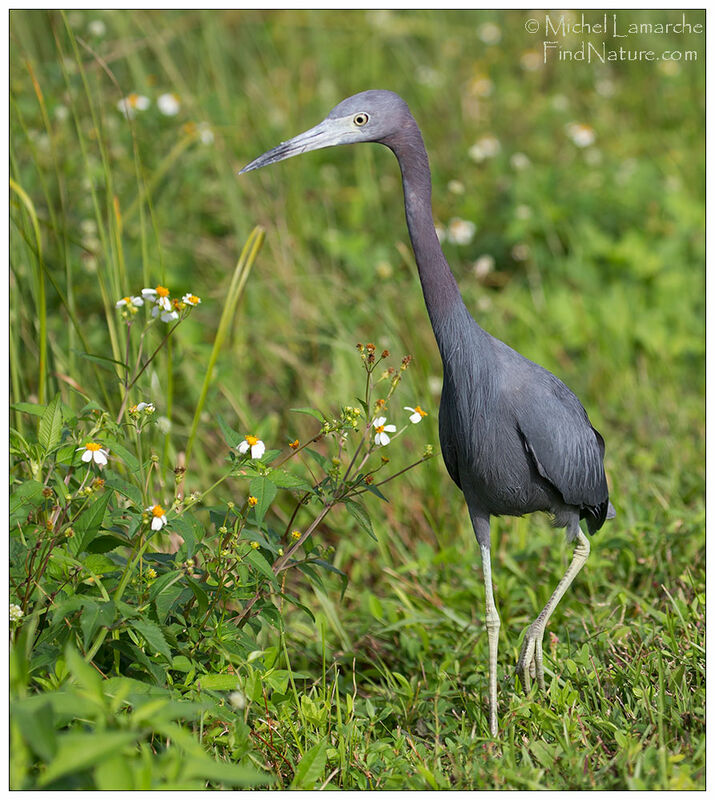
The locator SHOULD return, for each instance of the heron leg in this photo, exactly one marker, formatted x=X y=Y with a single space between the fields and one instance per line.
x=492 y=624
x=531 y=659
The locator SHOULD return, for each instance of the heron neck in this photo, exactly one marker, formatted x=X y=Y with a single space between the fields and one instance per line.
x=439 y=287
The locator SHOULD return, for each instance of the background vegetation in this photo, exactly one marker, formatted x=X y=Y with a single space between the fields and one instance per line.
x=585 y=186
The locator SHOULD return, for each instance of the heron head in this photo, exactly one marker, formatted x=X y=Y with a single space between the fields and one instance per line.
x=372 y=116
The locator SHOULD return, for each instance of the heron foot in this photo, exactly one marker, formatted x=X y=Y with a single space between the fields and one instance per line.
x=531 y=659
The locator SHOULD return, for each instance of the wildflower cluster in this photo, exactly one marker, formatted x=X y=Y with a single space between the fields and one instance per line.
x=162 y=304
x=352 y=417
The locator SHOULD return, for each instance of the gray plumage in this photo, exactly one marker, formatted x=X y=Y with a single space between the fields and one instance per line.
x=514 y=438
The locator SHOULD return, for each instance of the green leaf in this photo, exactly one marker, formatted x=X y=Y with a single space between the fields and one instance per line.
x=94 y=616
x=201 y=597
x=164 y=582
x=24 y=498
x=358 y=511
x=331 y=568
x=106 y=543
x=129 y=491
x=68 y=455
x=224 y=772
x=153 y=635
x=259 y=562
x=217 y=683
x=99 y=564
x=374 y=490
x=313 y=412
x=88 y=523
x=311 y=767
x=29 y=408
x=37 y=727
x=50 y=430
x=264 y=490
x=286 y=480
x=186 y=526
x=320 y=458
x=231 y=437
x=78 y=751
x=125 y=456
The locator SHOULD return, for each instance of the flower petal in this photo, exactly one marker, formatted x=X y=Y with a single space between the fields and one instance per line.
x=87 y=455
x=156 y=523
x=379 y=421
x=243 y=447
x=390 y=428
x=258 y=450
x=100 y=458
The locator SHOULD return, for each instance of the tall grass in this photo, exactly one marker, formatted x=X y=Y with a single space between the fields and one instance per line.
x=597 y=273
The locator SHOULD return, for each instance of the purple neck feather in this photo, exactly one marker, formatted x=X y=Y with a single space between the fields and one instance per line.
x=439 y=287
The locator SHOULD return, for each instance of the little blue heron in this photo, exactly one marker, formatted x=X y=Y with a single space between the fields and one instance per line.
x=514 y=438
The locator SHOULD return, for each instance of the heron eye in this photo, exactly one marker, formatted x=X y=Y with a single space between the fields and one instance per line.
x=360 y=119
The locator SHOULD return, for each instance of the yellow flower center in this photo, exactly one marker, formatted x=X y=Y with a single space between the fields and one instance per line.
x=420 y=411
x=133 y=99
x=296 y=535
x=252 y=501
x=158 y=511
x=252 y=440
x=380 y=428
x=93 y=446
x=127 y=300
x=193 y=299
x=162 y=291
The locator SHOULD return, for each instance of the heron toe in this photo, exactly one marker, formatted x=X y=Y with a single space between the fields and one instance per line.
x=531 y=659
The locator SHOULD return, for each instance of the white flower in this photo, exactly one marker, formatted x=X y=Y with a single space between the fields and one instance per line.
x=97 y=28
x=416 y=415
x=129 y=302
x=428 y=76
x=132 y=103
x=162 y=303
x=147 y=408
x=237 y=700
x=254 y=444
x=559 y=102
x=489 y=33
x=520 y=161
x=164 y=425
x=482 y=86
x=581 y=135
x=606 y=87
x=382 y=430
x=456 y=187
x=531 y=60
x=483 y=265
x=487 y=147
x=15 y=613
x=61 y=113
x=190 y=299
x=168 y=104
x=158 y=517
x=166 y=316
x=461 y=231
x=94 y=452
x=206 y=135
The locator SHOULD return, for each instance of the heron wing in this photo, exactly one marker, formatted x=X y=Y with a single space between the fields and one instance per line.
x=566 y=449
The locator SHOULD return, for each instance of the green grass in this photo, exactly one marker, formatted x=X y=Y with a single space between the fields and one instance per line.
x=598 y=275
